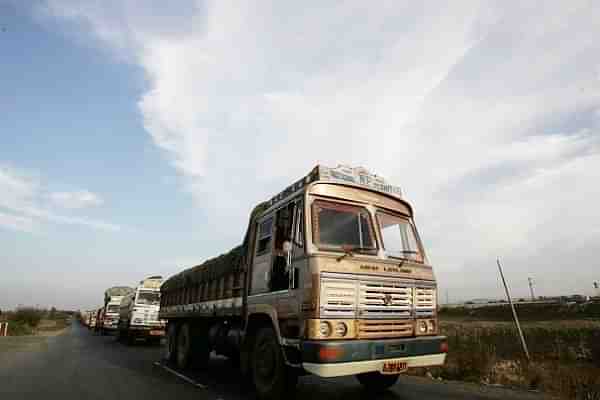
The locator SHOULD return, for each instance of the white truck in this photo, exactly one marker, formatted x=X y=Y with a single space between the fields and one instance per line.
x=139 y=313
x=92 y=319
x=112 y=303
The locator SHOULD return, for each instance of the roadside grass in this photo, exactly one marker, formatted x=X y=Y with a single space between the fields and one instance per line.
x=526 y=312
x=565 y=354
x=31 y=321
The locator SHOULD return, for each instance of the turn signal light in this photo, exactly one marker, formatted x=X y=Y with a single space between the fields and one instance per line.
x=330 y=353
x=444 y=347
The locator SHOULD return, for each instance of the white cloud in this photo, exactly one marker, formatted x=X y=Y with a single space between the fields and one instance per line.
x=75 y=199
x=18 y=223
x=485 y=112
x=23 y=204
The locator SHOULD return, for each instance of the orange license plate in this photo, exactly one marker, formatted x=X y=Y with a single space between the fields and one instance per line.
x=394 y=367
x=156 y=333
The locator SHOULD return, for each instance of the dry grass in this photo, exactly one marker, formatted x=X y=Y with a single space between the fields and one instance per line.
x=31 y=321
x=565 y=355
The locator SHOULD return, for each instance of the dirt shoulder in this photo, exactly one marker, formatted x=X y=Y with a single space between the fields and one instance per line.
x=32 y=342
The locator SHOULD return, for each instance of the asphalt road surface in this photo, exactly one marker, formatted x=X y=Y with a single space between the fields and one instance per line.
x=80 y=365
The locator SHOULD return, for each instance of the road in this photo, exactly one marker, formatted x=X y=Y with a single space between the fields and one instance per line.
x=80 y=365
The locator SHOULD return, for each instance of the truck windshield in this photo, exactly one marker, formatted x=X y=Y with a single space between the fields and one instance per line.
x=337 y=225
x=112 y=309
x=147 y=297
x=398 y=235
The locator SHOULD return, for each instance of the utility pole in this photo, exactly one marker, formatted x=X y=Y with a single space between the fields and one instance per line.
x=531 y=288
x=514 y=312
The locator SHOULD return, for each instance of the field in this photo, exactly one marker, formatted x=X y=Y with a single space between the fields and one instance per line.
x=33 y=321
x=564 y=343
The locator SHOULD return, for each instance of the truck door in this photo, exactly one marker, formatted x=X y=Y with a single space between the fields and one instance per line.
x=288 y=246
x=263 y=249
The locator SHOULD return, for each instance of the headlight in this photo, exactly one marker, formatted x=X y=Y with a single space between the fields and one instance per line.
x=426 y=327
x=341 y=329
x=138 y=320
x=431 y=328
x=422 y=326
x=325 y=328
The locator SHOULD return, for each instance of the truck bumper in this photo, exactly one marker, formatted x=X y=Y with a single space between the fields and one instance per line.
x=351 y=357
x=110 y=328
x=147 y=331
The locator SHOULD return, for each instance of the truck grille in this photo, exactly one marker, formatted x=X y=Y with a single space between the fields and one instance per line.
x=365 y=297
x=425 y=300
x=368 y=329
x=385 y=299
x=338 y=298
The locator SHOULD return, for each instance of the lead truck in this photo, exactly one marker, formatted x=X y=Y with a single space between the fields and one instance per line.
x=331 y=279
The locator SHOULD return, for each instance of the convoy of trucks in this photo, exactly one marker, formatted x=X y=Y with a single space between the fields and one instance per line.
x=331 y=279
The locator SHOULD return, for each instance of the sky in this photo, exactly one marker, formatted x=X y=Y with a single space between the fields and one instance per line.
x=136 y=136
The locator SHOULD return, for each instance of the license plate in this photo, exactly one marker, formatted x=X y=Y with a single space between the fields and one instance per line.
x=394 y=367
x=156 y=333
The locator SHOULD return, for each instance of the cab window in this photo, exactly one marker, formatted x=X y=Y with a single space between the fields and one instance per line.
x=338 y=226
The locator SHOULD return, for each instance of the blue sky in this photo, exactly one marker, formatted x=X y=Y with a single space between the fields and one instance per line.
x=136 y=136
x=70 y=123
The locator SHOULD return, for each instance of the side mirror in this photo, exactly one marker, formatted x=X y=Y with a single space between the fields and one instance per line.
x=287 y=246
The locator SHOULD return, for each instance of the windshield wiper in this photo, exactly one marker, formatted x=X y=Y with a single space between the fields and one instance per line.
x=349 y=251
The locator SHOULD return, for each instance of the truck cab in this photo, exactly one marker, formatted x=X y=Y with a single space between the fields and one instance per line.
x=342 y=273
x=139 y=312
x=111 y=314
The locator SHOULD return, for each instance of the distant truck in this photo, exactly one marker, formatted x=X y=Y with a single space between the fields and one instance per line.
x=85 y=318
x=331 y=279
x=112 y=303
x=99 y=320
x=139 y=312
x=92 y=319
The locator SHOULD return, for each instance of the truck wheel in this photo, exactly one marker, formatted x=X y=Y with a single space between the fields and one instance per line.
x=184 y=347
x=193 y=350
x=200 y=349
x=171 y=345
x=377 y=382
x=271 y=377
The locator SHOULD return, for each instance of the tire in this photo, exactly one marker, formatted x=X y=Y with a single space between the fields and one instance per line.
x=270 y=375
x=377 y=382
x=193 y=350
x=171 y=345
x=184 y=347
x=200 y=346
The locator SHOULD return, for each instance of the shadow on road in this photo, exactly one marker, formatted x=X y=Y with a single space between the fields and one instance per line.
x=223 y=377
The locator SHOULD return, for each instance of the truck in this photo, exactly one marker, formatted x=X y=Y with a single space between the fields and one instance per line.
x=85 y=318
x=331 y=279
x=99 y=320
x=112 y=303
x=138 y=312
x=92 y=319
